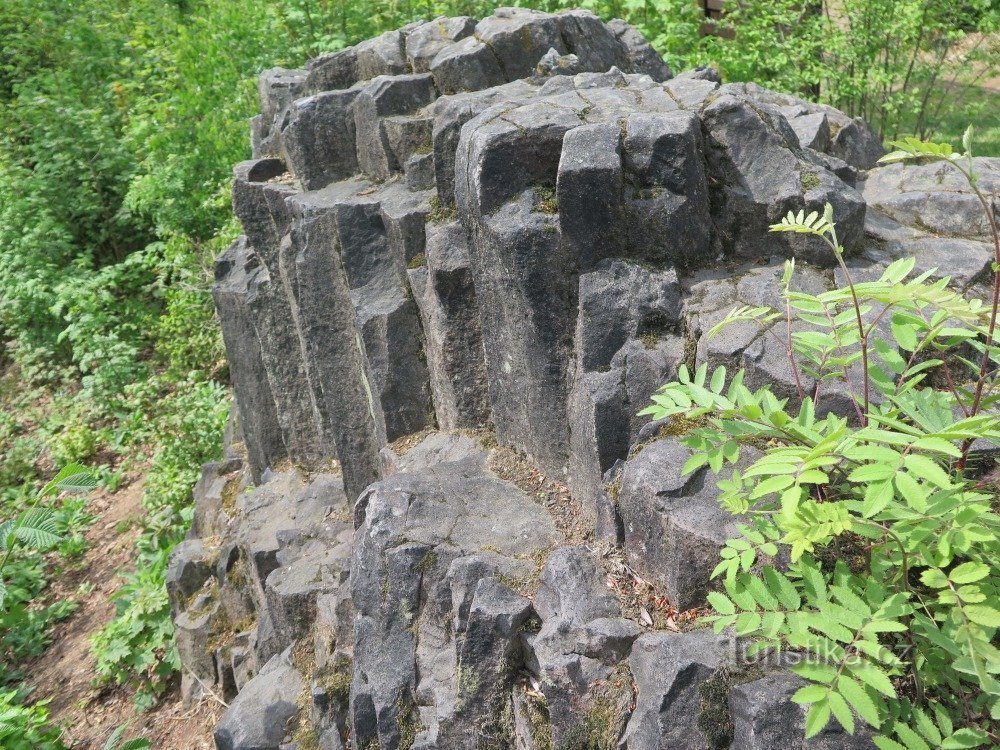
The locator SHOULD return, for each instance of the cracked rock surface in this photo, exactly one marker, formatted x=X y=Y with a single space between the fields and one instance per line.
x=472 y=250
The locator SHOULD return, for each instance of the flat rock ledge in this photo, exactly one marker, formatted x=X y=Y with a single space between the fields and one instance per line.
x=472 y=250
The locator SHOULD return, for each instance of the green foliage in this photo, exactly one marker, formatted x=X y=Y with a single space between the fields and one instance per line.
x=137 y=647
x=26 y=727
x=901 y=64
x=115 y=741
x=905 y=640
x=36 y=527
x=24 y=624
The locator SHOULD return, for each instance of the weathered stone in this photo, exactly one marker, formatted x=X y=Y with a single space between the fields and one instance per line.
x=761 y=179
x=762 y=353
x=812 y=129
x=307 y=569
x=691 y=93
x=451 y=113
x=234 y=270
x=331 y=72
x=193 y=627
x=424 y=42
x=189 y=568
x=318 y=139
x=264 y=141
x=934 y=198
x=218 y=479
x=269 y=528
x=701 y=73
x=644 y=197
x=242 y=660
x=257 y=718
x=619 y=301
x=382 y=56
x=332 y=342
x=764 y=717
x=259 y=202
x=469 y=65
x=425 y=522
x=599 y=434
x=668 y=669
x=674 y=526
x=519 y=38
x=445 y=292
x=406 y=136
x=277 y=88
x=641 y=55
x=488 y=663
x=525 y=294
x=857 y=144
x=593 y=219
x=260 y=187
x=384 y=97
x=385 y=314
x=572 y=588
x=590 y=193
x=554 y=64
x=850 y=140
x=419 y=171
x=404 y=214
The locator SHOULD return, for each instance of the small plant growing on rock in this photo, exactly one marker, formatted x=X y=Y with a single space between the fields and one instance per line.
x=904 y=638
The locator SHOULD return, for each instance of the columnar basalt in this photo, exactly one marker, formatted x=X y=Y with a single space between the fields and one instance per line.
x=472 y=251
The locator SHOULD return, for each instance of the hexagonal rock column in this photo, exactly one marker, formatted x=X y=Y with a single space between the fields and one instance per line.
x=603 y=166
x=235 y=270
x=260 y=190
x=445 y=292
x=361 y=380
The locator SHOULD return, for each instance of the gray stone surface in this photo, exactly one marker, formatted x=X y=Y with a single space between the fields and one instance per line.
x=427 y=40
x=933 y=197
x=445 y=292
x=258 y=717
x=674 y=526
x=929 y=212
x=318 y=139
x=328 y=328
x=428 y=603
x=234 y=270
x=762 y=179
x=384 y=97
x=643 y=57
x=668 y=669
x=764 y=717
x=474 y=249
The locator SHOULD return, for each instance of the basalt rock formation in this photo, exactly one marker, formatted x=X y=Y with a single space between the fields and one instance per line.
x=472 y=252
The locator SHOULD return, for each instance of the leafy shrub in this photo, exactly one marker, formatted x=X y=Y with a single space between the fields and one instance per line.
x=23 y=576
x=115 y=741
x=902 y=632
x=36 y=527
x=23 y=625
x=26 y=727
x=137 y=646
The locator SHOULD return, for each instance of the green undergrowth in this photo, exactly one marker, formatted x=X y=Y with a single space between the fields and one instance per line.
x=120 y=121
x=887 y=602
